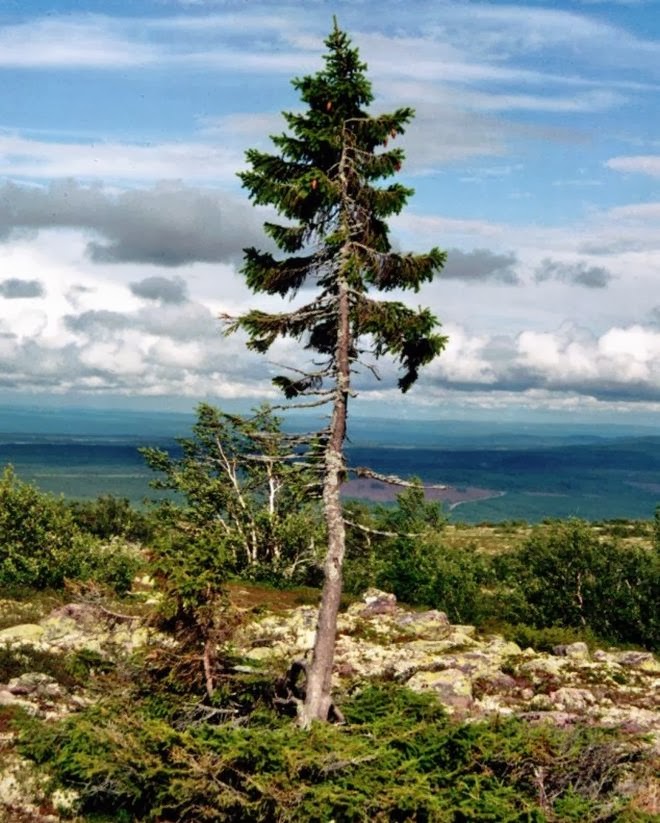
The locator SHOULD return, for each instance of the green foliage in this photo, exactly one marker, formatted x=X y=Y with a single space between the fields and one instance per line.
x=323 y=181
x=401 y=549
x=567 y=576
x=113 y=563
x=568 y=581
x=41 y=546
x=397 y=758
x=656 y=529
x=39 y=543
x=246 y=512
x=109 y=516
x=246 y=508
x=70 y=670
x=545 y=639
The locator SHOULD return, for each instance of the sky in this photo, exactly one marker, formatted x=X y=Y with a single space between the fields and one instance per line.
x=534 y=155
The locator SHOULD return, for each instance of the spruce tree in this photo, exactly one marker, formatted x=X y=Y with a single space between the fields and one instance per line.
x=323 y=181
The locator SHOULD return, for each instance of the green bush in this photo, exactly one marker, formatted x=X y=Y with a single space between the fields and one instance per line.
x=41 y=546
x=113 y=563
x=398 y=758
x=564 y=575
x=109 y=516
x=401 y=549
x=237 y=487
x=545 y=639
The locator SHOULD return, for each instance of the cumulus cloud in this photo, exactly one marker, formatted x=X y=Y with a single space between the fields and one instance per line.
x=622 y=363
x=161 y=289
x=576 y=273
x=169 y=224
x=15 y=289
x=479 y=265
x=178 y=349
x=172 y=349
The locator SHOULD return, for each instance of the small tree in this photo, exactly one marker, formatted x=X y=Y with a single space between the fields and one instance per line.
x=237 y=491
x=241 y=508
x=323 y=182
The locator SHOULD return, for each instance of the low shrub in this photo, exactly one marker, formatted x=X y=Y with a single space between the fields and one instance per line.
x=564 y=575
x=109 y=516
x=545 y=639
x=41 y=546
x=397 y=758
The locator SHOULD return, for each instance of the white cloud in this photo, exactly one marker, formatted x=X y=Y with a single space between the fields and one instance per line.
x=620 y=359
x=22 y=157
x=464 y=360
x=637 y=164
x=89 y=42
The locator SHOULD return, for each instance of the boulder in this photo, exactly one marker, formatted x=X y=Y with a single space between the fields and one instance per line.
x=430 y=625
x=23 y=633
x=374 y=601
x=573 y=700
x=576 y=651
x=452 y=686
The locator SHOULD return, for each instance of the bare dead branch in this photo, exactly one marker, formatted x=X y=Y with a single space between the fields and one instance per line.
x=393 y=479
x=380 y=533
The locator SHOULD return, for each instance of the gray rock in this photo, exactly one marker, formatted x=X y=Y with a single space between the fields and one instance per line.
x=643 y=662
x=452 y=686
x=35 y=683
x=576 y=651
x=429 y=625
x=378 y=602
x=573 y=700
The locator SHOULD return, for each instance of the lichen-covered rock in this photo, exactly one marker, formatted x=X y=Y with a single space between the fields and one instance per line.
x=428 y=625
x=23 y=633
x=543 y=668
x=452 y=686
x=484 y=675
x=571 y=699
x=501 y=648
x=374 y=601
x=9 y=699
x=21 y=785
x=65 y=801
x=637 y=660
x=576 y=651
x=476 y=663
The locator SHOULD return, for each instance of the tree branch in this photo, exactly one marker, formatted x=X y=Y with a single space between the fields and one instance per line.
x=393 y=479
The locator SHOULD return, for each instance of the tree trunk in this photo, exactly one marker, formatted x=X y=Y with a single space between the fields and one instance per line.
x=318 y=695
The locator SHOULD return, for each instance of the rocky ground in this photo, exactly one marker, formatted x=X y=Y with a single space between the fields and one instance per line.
x=473 y=675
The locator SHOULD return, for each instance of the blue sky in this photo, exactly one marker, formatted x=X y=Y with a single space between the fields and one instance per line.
x=535 y=156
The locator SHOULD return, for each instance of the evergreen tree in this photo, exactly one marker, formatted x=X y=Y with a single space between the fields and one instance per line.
x=323 y=182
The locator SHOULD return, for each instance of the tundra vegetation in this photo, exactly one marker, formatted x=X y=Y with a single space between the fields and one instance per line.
x=184 y=722
x=187 y=728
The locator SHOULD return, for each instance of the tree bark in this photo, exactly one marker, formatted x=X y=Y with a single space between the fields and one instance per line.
x=318 y=695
